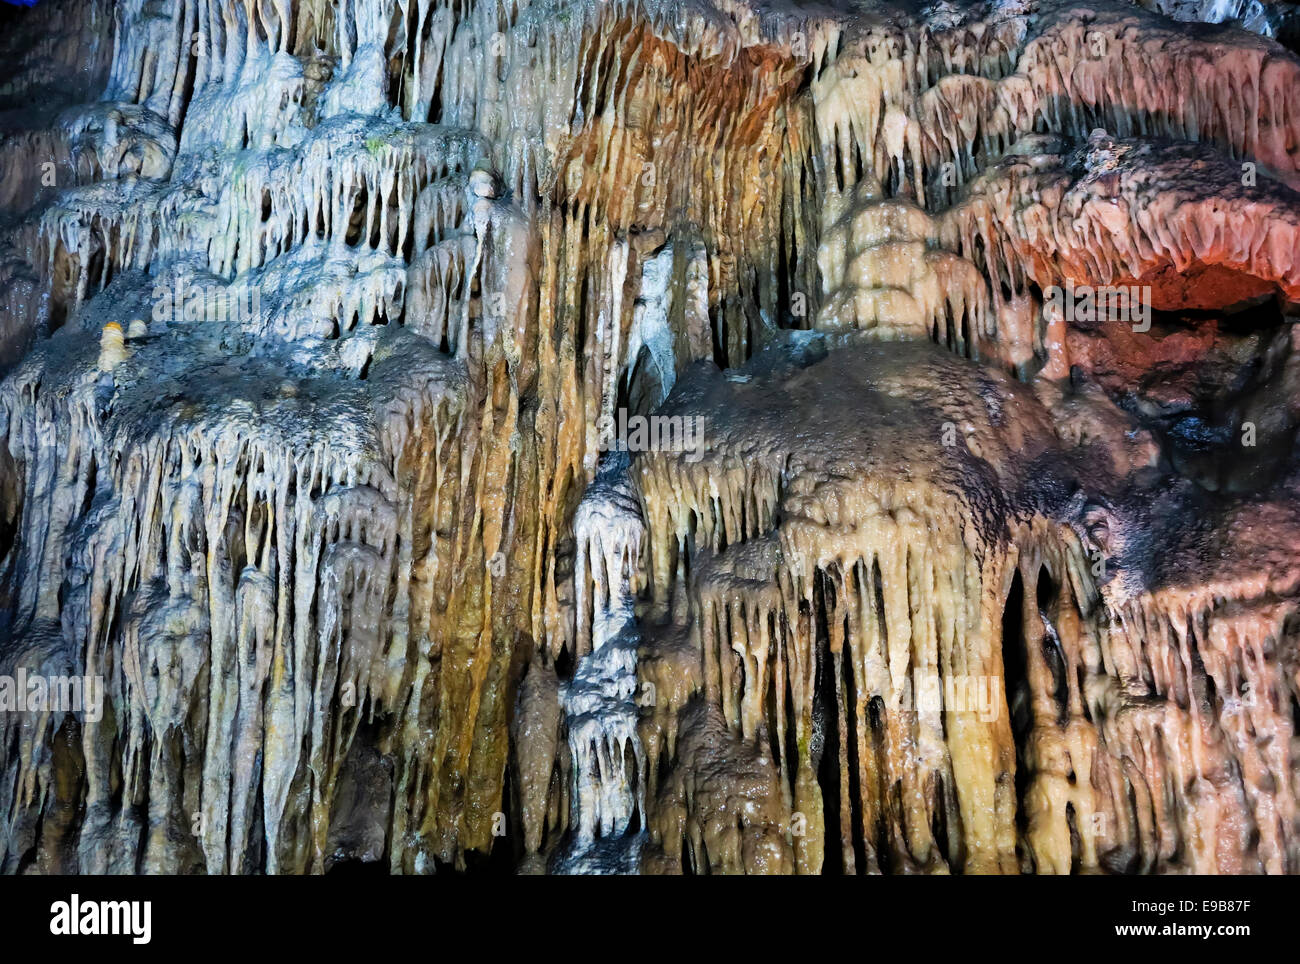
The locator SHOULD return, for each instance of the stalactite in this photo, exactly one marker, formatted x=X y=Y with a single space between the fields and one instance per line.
x=319 y=325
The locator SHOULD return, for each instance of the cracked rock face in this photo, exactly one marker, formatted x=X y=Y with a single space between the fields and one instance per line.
x=579 y=436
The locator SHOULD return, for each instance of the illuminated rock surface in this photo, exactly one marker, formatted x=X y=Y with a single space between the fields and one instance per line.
x=582 y=436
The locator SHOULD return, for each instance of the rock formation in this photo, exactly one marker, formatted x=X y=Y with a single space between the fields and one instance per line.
x=645 y=436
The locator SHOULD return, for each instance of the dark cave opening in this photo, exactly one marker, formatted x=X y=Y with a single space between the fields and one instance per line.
x=1015 y=675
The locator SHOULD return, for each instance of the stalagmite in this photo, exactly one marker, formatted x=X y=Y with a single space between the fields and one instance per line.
x=112 y=347
x=600 y=707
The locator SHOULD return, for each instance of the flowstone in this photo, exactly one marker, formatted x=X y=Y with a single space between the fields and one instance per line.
x=346 y=356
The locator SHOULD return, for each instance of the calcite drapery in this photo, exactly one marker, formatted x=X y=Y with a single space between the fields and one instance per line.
x=313 y=320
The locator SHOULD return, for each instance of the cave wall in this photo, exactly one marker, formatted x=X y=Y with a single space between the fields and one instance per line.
x=316 y=315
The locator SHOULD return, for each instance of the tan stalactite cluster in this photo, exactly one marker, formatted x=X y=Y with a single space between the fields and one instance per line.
x=721 y=809
x=349 y=355
x=885 y=273
x=1215 y=641
x=255 y=571
x=824 y=625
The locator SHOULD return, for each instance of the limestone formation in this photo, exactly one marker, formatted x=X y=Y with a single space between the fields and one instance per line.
x=640 y=436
